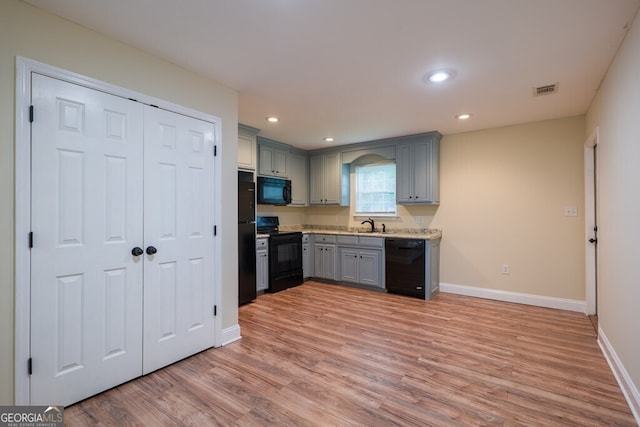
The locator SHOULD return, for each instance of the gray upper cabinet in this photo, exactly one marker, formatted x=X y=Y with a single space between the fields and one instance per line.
x=325 y=176
x=418 y=172
x=298 y=174
x=272 y=160
x=247 y=147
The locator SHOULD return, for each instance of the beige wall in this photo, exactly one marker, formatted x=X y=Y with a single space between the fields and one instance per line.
x=503 y=194
x=616 y=111
x=34 y=34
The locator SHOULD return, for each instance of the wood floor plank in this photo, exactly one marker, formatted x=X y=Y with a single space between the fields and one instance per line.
x=329 y=355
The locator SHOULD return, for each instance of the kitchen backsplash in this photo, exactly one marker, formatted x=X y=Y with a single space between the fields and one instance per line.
x=410 y=219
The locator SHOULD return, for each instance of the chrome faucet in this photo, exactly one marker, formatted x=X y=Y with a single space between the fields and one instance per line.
x=370 y=221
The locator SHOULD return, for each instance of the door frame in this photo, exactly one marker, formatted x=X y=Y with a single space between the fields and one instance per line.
x=22 y=282
x=590 y=216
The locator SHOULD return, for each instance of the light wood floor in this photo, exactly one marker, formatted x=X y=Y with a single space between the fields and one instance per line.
x=330 y=355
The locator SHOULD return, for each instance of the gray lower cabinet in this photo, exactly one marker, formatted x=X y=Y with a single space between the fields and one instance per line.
x=262 y=264
x=324 y=257
x=307 y=258
x=432 y=266
x=360 y=266
x=361 y=260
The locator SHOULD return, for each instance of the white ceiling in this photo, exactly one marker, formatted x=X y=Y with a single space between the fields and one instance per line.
x=353 y=69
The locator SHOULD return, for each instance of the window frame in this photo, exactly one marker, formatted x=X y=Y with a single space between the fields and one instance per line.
x=357 y=213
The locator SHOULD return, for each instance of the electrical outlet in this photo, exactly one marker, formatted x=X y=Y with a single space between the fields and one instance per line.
x=419 y=219
x=570 y=211
x=506 y=269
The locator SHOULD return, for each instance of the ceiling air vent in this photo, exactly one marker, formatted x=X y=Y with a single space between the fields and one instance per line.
x=545 y=90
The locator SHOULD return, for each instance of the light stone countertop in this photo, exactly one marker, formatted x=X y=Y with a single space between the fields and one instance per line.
x=426 y=234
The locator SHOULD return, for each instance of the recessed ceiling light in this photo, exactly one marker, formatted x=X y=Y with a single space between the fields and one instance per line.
x=272 y=119
x=439 y=76
x=328 y=139
x=463 y=116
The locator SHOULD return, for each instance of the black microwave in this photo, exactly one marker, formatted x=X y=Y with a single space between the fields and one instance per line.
x=273 y=191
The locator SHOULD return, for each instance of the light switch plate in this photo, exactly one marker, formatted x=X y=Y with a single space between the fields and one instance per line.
x=570 y=211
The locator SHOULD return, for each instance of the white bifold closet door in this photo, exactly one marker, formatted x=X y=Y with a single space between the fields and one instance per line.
x=112 y=180
x=178 y=222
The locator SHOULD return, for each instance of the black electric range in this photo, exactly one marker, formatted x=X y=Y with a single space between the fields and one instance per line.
x=285 y=254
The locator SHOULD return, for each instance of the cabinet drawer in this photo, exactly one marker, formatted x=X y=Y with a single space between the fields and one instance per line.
x=262 y=244
x=372 y=242
x=325 y=238
x=347 y=240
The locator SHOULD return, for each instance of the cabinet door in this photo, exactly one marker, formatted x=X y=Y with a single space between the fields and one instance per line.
x=329 y=259
x=420 y=172
x=433 y=172
x=297 y=170
x=262 y=270
x=432 y=265
x=318 y=260
x=306 y=261
x=349 y=265
x=404 y=174
x=369 y=267
x=332 y=189
x=316 y=177
x=246 y=152
x=280 y=163
x=265 y=163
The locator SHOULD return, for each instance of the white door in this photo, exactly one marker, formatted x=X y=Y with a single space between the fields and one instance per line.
x=178 y=223
x=87 y=215
x=110 y=175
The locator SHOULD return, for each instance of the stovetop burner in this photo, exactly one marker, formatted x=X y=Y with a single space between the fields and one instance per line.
x=270 y=225
x=283 y=233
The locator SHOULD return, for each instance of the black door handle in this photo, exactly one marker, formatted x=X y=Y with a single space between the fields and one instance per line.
x=151 y=250
x=137 y=251
x=592 y=240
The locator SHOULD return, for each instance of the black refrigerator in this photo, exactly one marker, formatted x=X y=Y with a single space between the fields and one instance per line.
x=246 y=238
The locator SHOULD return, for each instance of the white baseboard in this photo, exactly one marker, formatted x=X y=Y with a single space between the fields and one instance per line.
x=231 y=334
x=520 y=298
x=629 y=389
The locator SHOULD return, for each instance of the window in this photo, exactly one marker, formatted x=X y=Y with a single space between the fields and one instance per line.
x=375 y=191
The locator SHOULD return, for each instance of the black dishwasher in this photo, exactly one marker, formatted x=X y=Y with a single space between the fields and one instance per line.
x=405 y=267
